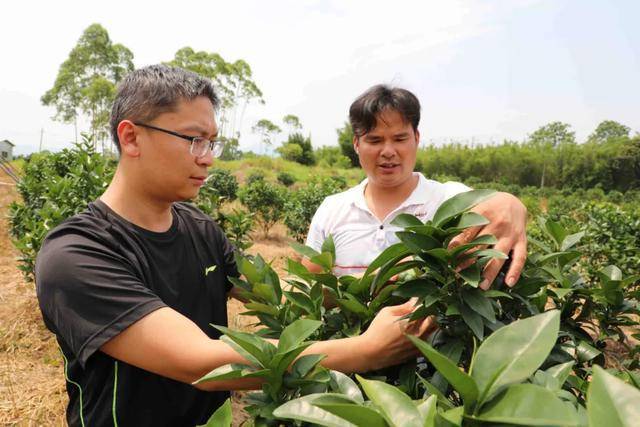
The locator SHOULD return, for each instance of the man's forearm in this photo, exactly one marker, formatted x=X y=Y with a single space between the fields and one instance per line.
x=345 y=355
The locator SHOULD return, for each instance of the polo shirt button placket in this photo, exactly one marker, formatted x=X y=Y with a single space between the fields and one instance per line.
x=380 y=235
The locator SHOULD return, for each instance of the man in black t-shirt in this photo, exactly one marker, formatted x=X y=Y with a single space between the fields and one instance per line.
x=131 y=285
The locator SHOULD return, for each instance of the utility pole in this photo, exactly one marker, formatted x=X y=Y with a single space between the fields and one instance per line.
x=41 y=135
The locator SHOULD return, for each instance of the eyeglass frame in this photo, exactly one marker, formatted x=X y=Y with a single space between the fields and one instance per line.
x=191 y=139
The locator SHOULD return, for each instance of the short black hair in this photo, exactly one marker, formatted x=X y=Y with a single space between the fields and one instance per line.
x=146 y=93
x=364 y=112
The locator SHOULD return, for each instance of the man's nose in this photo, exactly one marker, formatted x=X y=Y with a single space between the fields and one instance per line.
x=388 y=149
x=206 y=160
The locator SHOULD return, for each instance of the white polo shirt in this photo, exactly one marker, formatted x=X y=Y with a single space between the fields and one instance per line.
x=358 y=235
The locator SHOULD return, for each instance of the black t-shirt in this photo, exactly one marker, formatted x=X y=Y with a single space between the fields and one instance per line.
x=97 y=274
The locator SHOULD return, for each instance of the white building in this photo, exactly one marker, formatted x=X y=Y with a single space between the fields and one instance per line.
x=6 y=150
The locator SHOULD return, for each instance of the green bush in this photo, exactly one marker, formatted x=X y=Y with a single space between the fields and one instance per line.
x=255 y=175
x=54 y=187
x=223 y=183
x=527 y=353
x=266 y=201
x=286 y=179
x=304 y=202
x=298 y=149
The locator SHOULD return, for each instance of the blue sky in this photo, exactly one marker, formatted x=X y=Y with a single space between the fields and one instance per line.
x=483 y=70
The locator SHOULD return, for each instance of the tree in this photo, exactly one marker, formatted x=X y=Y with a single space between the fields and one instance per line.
x=550 y=137
x=609 y=129
x=86 y=81
x=293 y=122
x=298 y=149
x=267 y=130
x=231 y=150
x=233 y=80
x=345 y=141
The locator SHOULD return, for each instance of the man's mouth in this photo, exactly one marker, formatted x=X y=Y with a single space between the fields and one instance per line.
x=388 y=165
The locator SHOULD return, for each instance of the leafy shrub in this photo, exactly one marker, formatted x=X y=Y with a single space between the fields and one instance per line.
x=562 y=344
x=266 y=201
x=298 y=149
x=237 y=226
x=54 y=187
x=223 y=183
x=286 y=179
x=304 y=202
x=255 y=175
x=332 y=157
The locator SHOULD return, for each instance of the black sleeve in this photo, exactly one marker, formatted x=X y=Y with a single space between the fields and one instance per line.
x=228 y=255
x=88 y=293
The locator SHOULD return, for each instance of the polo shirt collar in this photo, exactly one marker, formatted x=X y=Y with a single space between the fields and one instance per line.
x=418 y=196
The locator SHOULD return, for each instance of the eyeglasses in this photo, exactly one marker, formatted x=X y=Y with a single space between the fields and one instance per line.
x=200 y=146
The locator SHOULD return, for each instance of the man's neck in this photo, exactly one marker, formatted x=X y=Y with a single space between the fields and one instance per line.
x=383 y=200
x=134 y=205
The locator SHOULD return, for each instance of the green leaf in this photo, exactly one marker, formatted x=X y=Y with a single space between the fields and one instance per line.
x=356 y=414
x=225 y=372
x=248 y=270
x=329 y=246
x=253 y=348
x=571 y=240
x=345 y=385
x=417 y=243
x=396 y=407
x=463 y=383
x=298 y=269
x=406 y=220
x=467 y=220
x=301 y=300
x=416 y=288
x=611 y=402
x=303 y=409
x=554 y=230
x=427 y=409
x=459 y=204
x=586 y=352
x=471 y=275
x=485 y=239
x=473 y=321
x=560 y=292
x=325 y=260
x=528 y=405
x=262 y=308
x=266 y=292
x=491 y=253
x=294 y=334
x=396 y=251
x=305 y=364
x=561 y=372
x=304 y=250
x=492 y=293
x=478 y=302
x=514 y=352
x=222 y=417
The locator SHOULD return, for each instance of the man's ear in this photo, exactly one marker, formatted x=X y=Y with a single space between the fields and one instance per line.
x=128 y=138
x=356 y=144
x=417 y=134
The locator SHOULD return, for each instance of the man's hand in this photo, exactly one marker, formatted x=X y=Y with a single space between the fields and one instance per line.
x=386 y=340
x=508 y=220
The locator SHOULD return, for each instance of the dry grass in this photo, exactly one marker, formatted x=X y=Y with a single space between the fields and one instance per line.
x=32 y=388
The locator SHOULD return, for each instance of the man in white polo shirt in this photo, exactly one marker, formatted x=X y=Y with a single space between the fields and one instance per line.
x=386 y=137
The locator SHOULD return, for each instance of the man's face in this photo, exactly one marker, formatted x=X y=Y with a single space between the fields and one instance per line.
x=388 y=152
x=170 y=172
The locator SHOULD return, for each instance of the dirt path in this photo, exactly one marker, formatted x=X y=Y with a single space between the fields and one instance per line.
x=32 y=389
